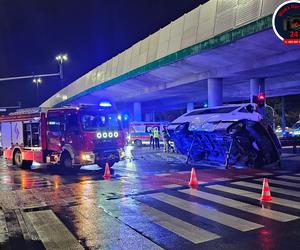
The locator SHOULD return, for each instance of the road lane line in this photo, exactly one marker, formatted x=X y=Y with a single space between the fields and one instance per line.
x=52 y=232
x=171 y=186
x=185 y=230
x=273 y=189
x=208 y=213
x=244 y=176
x=264 y=174
x=284 y=183
x=163 y=174
x=222 y=179
x=278 y=201
x=184 y=172
x=289 y=177
x=3 y=228
x=271 y=214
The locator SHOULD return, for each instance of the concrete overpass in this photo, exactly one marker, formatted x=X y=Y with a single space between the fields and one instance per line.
x=211 y=53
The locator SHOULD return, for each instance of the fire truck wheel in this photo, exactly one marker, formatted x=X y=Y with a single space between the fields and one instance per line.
x=19 y=162
x=65 y=160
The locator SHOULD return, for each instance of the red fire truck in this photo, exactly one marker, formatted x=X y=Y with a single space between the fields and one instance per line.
x=68 y=136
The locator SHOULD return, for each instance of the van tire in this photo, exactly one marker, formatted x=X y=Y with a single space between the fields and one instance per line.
x=19 y=162
x=138 y=143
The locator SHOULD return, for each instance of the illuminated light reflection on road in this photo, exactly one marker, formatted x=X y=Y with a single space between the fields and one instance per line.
x=266 y=238
x=56 y=181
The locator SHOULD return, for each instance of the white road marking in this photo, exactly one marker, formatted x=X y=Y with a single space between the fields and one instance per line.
x=279 y=201
x=184 y=172
x=3 y=228
x=222 y=179
x=208 y=213
x=163 y=174
x=273 y=189
x=171 y=186
x=284 y=183
x=289 y=177
x=52 y=231
x=264 y=174
x=244 y=176
x=179 y=227
x=274 y=215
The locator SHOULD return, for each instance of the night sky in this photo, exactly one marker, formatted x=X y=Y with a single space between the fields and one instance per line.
x=33 y=32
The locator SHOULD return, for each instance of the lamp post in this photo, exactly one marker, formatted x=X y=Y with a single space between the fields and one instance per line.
x=61 y=58
x=37 y=81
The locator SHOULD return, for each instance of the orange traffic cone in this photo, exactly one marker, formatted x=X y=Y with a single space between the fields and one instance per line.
x=193 y=179
x=265 y=193
x=107 y=174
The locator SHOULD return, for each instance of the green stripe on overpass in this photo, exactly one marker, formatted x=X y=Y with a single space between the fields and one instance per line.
x=219 y=40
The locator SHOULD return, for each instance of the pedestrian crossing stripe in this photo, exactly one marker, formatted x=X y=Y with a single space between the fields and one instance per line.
x=183 y=229
x=208 y=213
x=283 y=183
x=273 y=189
x=289 y=177
x=52 y=231
x=271 y=214
x=248 y=194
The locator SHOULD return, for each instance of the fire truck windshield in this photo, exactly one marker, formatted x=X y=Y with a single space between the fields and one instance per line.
x=93 y=121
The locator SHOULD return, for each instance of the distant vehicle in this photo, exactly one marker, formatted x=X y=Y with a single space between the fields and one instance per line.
x=139 y=132
x=280 y=133
x=293 y=131
x=227 y=135
x=68 y=137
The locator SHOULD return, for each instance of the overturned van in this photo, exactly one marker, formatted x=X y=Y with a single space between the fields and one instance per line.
x=226 y=135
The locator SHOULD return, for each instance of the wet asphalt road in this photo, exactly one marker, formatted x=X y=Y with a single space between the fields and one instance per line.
x=147 y=204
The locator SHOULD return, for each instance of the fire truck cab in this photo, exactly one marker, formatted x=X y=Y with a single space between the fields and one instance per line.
x=68 y=137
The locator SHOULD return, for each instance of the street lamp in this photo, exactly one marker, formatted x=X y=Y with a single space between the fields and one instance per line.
x=61 y=58
x=37 y=81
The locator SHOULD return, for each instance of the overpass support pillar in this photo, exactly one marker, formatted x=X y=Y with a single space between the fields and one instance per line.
x=257 y=85
x=137 y=111
x=150 y=117
x=189 y=106
x=215 y=92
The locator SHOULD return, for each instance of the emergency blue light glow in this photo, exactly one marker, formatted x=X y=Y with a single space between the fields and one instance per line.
x=105 y=104
x=126 y=117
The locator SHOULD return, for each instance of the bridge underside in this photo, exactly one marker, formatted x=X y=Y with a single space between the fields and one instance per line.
x=261 y=55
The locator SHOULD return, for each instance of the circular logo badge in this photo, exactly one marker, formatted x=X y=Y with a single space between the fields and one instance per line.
x=286 y=22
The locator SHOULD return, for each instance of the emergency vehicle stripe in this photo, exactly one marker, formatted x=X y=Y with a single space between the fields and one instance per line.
x=293 y=178
x=274 y=215
x=52 y=231
x=283 y=183
x=203 y=211
x=278 y=201
x=179 y=227
x=273 y=189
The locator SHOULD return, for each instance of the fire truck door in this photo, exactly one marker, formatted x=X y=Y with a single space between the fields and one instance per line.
x=72 y=131
x=54 y=131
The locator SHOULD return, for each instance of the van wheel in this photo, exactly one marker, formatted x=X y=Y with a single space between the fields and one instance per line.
x=138 y=143
x=65 y=160
x=19 y=162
